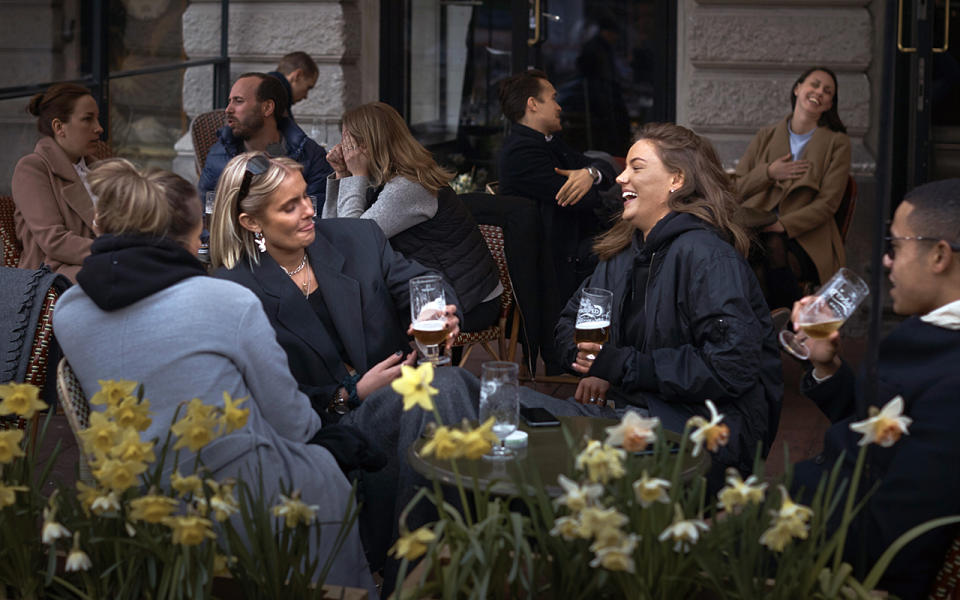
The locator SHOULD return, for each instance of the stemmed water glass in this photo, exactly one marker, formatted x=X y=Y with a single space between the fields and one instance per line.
x=428 y=308
x=832 y=305
x=500 y=399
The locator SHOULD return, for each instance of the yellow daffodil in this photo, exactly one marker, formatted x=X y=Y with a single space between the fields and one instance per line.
x=191 y=484
x=414 y=385
x=685 y=532
x=446 y=443
x=190 y=530
x=8 y=493
x=566 y=527
x=118 y=475
x=234 y=417
x=619 y=557
x=651 y=489
x=413 y=545
x=105 y=503
x=129 y=413
x=198 y=428
x=86 y=494
x=791 y=521
x=130 y=448
x=78 y=560
x=102 y=434
x=221 y=564
x=10 y=445
x=738 y=493
x=601 y=462
x=634 y=433
x=477 y=442
x=576 y=497
x=224 y=503
x=21 y=399
x=112 y=392
x=595 y=522
x=52 y=530
x=884 y=427
x=295 y=511
x=712 y=433
x=152 y=508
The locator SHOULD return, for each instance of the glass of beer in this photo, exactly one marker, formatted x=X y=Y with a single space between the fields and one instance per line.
x=428 y=315
x=500 y=399
x=593 y=316
x=833 y=304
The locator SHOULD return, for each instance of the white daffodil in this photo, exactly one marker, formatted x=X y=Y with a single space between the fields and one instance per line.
x=576 y=497
x=711 y=433
x=738 y=493
x=884 y=427
x=52 y=530
x=651 y=489
x=104 y=504
x=617 y=558
x=685 y=532
x=634 y=433
x=78 y=560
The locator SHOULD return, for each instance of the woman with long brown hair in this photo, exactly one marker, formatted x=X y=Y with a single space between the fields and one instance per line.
x=382 y=173
x=689 y=322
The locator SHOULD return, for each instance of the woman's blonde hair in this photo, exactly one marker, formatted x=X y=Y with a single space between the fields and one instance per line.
x=706 y=193
x=229 y=240
x=148 y=202
x=393 y=151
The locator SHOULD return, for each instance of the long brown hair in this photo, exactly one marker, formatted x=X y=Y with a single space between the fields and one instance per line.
x=706 y=192
x=392 y=149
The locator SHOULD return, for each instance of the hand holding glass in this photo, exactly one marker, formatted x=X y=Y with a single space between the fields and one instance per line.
x=832 y=305
x=500 y=399
x=428 y=308
x=593 y=316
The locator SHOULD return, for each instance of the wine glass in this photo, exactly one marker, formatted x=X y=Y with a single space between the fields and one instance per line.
x=500 y=399
x=593 y=317
x=428 y=307
x=832 y=305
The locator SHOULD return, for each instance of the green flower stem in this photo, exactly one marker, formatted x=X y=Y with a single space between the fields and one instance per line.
x=463 y=494
x=848 y=507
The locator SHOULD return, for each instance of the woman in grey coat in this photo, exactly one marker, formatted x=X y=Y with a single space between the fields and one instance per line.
x=145 y=311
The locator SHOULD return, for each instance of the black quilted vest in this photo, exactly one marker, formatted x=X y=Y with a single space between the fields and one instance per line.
x=451 y=243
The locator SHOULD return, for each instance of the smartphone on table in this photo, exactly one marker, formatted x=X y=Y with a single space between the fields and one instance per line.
x=538 y=417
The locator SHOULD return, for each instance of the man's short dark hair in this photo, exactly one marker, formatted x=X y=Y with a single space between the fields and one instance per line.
x=298 y=60
x=515 y=90
x=270 y=88
x=936 y=209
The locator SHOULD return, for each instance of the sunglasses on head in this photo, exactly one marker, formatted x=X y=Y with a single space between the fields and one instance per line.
x=891 y=250
x=257 y=165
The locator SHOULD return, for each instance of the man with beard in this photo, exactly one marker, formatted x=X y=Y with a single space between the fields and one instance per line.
x=255 y=121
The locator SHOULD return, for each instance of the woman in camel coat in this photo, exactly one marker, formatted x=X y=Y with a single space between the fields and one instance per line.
x=797 y=171
x=54 y=206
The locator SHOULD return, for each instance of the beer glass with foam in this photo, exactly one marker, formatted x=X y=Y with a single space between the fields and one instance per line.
x=593 y=316
x=428 y=315
x=832 y=305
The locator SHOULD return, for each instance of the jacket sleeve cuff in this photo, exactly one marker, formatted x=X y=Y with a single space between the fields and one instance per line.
x=612 y=363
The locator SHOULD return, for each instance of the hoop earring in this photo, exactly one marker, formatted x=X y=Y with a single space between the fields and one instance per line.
x=261 y=243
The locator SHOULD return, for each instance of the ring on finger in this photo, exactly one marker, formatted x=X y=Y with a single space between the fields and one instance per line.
x=591 y=357
x=593 y=400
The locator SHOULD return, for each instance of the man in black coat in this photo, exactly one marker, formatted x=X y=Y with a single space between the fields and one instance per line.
x=917 y=476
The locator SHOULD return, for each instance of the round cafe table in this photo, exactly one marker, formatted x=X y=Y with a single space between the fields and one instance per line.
x=546 y=456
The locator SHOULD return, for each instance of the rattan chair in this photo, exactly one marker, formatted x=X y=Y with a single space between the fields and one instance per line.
x=76 y=407
x=493 y=236
x=8 y=233
x=203 y=131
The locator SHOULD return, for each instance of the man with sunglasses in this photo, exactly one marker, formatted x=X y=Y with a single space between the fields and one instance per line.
x=917 y=477
x=257 y=119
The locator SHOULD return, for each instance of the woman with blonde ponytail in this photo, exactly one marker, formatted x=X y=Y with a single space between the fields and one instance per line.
x=146 y=311
x=689 y=322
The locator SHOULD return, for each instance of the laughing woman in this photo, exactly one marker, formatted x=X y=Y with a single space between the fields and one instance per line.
x=796 y=172
x=54 y=205
x=689 y=322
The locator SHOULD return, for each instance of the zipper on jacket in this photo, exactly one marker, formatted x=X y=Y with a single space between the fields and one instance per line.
x=646 y=297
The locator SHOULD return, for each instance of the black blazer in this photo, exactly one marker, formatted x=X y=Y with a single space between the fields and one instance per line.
x=364 y=283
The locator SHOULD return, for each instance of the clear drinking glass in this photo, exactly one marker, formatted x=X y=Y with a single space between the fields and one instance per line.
x=209 y=201
x=500 y=399
x=428 y=314
x=593 y=316
x=833 y=304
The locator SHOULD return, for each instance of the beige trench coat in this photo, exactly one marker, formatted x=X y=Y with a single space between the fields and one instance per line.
x=54 y=213
x=806 y=205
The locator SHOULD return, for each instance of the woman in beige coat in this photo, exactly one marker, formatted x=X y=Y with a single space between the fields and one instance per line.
x=797 y=170
x=54 y=205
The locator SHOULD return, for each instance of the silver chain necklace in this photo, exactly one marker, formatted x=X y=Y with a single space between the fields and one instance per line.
x=303 y=263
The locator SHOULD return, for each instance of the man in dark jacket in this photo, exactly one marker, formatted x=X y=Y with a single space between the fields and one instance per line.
x=254 y=122
x=917 y=476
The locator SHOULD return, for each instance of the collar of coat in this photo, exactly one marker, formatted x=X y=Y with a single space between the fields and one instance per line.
x=947 y=316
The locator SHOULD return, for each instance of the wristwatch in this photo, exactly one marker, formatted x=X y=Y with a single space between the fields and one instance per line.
x=594 y=172
x=338 y=404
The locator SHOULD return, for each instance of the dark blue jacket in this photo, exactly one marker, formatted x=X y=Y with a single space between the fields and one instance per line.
x=300 y=148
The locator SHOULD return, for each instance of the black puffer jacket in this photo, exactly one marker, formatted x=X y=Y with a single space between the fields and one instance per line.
x=707 y=334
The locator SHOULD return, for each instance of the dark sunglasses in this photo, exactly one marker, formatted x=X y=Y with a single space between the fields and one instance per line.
x=891 y=250
x=257 y=165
